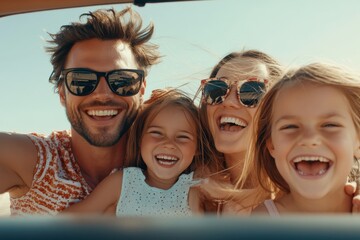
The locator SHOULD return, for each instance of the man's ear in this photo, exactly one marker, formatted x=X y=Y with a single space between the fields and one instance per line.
x=270 y=147
x=62 y=95
x=142 y=92
x=142 y=89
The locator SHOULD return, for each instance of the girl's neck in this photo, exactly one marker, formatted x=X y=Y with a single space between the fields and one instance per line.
x=335 y=202
x=156 y=182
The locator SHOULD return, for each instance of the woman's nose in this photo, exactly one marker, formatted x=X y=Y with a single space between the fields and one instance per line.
x=232 y=100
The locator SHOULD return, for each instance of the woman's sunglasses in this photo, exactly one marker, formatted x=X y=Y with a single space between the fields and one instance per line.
x=249 y=92
x=83 y=81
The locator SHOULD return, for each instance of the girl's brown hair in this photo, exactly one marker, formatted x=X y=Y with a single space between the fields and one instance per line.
x=160 y=100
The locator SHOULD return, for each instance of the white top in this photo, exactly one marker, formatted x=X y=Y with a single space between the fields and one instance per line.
x=271 y=208
x=137 y=198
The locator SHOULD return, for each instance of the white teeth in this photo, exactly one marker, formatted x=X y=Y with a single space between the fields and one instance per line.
x=311 y=159
x=321 y=172
x=233 y=120
x=167 y=162
x=166 y=157
x=102 y=113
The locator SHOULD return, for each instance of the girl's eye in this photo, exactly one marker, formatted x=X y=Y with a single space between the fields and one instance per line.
x=183 y=138
x=155 y=133
x=331 y=125
x=288 y=126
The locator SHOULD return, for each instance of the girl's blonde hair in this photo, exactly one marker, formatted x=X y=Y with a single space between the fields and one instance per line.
x=159 y=100
x=270 y=181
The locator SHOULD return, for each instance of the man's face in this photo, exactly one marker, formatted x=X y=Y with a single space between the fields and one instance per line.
x=101 y=117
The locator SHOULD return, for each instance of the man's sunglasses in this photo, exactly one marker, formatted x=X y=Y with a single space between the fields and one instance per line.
x=249 y=92
x=83 y=81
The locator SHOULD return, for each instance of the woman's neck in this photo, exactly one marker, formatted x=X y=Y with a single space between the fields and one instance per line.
x=235 y=165
x=335 y=202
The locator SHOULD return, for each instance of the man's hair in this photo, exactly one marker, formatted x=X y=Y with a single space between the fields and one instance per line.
x=125 y=25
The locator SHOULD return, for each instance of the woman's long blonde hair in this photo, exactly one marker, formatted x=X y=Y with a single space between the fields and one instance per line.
x=275 y=72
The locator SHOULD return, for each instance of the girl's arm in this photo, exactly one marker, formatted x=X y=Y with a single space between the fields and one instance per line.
x=195 y=202
x=104 y=196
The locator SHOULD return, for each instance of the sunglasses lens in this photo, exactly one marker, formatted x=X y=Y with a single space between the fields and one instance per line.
x=80 y=82
x=214 y=92
x=251 y=92
x=125 y=83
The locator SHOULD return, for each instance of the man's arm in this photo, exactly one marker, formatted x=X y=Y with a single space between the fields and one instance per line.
x=18 y=156
x=104 y=197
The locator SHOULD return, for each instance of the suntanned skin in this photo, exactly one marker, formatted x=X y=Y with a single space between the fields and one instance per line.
x=18 y=155
x=170 y=133
x=16 y=167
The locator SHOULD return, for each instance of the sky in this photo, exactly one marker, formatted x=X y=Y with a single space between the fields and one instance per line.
x=192 y=37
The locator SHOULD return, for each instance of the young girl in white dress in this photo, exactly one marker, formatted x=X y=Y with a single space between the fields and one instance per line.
x=165 y=147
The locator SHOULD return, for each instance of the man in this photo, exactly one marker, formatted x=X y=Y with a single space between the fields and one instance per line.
x=99 y=73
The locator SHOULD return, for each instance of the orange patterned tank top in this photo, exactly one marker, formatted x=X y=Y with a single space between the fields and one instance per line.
x=57 y=181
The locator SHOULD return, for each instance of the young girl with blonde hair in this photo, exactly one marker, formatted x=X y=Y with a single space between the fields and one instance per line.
x=306 y=142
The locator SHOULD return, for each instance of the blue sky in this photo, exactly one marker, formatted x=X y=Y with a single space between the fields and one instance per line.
x=193 y=37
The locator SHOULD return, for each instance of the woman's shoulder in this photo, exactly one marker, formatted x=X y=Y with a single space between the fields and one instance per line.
x=260 y=210
x=268 y=207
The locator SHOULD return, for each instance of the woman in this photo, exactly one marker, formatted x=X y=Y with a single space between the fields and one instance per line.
x=228 y=104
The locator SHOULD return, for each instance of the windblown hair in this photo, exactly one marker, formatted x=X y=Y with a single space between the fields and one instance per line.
x=271 y=183
x=275 y=72
x=125 y=25
x=159 y=100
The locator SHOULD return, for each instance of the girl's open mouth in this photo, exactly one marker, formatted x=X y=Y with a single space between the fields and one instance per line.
x=311 y=165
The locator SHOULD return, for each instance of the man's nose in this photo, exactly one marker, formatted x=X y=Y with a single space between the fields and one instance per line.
x=103 y=90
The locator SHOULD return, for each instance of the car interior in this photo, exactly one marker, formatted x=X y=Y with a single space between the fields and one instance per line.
x=337 y=42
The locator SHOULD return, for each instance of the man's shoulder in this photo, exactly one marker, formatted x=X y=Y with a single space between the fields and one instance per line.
x=55 y=137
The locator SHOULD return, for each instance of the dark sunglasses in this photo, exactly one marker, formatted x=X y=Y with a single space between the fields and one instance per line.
x=83 y=81
x=249 y=92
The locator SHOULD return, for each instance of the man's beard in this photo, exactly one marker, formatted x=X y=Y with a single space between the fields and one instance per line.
x=103 y=138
